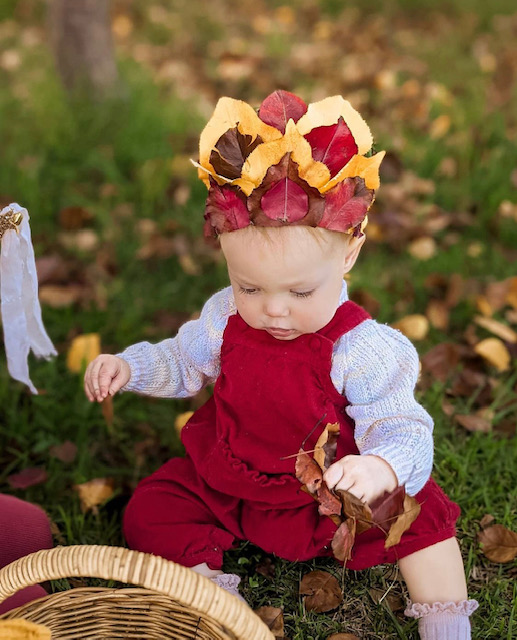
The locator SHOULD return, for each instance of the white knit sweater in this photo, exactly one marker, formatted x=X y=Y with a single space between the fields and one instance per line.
x=373 y=365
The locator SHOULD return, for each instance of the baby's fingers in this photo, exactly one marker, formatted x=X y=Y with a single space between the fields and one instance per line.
x=333 y=474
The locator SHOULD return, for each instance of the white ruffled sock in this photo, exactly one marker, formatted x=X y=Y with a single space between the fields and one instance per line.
x=229 y=582
x=443 y=620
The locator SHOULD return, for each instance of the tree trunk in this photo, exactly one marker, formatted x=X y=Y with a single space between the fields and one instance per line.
x=83 y=46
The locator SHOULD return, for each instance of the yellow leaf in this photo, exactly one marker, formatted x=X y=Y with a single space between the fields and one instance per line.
x=494 y=351
x=94 y=493
x=18 y=629
x=270 y=153
x=497 y=328
x=359 y=167
x=422 y=248
x=228 y=114
x=328 y=111
x=182 y=419
x=438 y=314
x=82 y=351
x=511 y=297
x=484 y=306
x=414 y=327
x=439 y=127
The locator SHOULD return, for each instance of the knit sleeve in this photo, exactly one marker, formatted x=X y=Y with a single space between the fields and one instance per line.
x=180 y=367
x=381 y=370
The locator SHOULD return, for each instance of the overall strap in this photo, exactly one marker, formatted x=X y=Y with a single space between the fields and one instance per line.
x=348 y=316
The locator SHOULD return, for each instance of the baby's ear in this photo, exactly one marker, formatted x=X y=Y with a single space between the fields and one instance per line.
x=352 y=251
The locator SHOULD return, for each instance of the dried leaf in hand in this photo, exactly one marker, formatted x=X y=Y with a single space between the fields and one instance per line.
x=355 y=508
x=82 y=351
x=308 y=472
x=273 y=618
x=386 y=508
x=326 y=446
x=329 y=503
x=499 y=544
x=403 y=522
x=27 y=478
x=344 y=539
x=321 y=590
x=94 y=493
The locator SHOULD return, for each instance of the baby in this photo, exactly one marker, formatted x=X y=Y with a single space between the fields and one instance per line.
x=289 y=190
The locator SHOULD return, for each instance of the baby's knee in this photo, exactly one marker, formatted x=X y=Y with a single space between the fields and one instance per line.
x=25 y=528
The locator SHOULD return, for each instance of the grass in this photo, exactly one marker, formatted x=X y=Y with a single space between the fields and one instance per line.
x=127 y=161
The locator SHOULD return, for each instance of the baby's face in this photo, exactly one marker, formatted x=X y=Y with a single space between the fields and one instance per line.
x=287 y=284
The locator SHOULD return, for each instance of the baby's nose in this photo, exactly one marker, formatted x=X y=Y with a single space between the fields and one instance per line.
x=275 y=307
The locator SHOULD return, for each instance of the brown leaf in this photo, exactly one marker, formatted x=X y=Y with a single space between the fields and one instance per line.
x=497 y=328
x=266 y=568
x=441 y=360
x=486 y=520
x=499 y=544
x=403 y=522
x=59 y=296
x=108 y=411
x=273 y=617
x=344 y=539
x=231 y=151
x=355 y=508
x=474 y=423
x=342 y=636
x=27 y=478
x=379 y=596
x=66 y=452
x=326 y=446
x=308 y=472
x=438 y=314
x=72 y=218
x=321 y=590
x=388 y=507
x=329 y=503
x=94 y=493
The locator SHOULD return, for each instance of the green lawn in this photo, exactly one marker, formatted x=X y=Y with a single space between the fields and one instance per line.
x=436 y=82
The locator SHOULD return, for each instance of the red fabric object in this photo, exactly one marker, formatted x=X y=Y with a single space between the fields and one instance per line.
x=24 y=528
x=237 y=480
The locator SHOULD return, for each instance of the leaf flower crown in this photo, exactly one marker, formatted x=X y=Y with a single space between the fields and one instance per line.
x=287 y=164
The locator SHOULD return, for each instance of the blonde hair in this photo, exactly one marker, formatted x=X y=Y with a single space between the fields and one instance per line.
x=274 y=235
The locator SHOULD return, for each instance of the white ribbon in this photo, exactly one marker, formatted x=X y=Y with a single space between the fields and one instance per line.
x=19 y=304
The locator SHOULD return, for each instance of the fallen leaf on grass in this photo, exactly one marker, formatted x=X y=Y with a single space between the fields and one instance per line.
x=59 y=296
x=474 y=423
x=393 y=601
x=422 y=248
x=273 y=618
x=497 y=328
x=499 y=544
x=403 y=522
x=342 y=636
x=266 y=568
x=495 y=352
x=28 y=477
x=321 y=591
x=66 y=452
x=414 y=327
x=82 y=351
x=441 y=360
x=94 y=493
x=438 y=314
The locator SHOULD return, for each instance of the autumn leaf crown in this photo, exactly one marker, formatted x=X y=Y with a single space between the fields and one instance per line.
x=290 y=163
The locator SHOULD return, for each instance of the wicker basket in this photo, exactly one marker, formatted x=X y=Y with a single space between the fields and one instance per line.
x=172 y=601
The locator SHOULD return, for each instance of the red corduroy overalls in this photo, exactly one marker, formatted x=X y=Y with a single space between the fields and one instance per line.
x=237 y=479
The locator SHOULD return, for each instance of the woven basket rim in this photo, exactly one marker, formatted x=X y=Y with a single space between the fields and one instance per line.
x=144 y=570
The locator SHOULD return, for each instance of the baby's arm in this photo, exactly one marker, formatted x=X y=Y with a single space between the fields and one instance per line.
x=175 y=368
x=392 y=431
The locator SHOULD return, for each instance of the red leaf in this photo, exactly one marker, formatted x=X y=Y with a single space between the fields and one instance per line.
x=285 y=201
x=225 y=210
x=231 y=151
x=333 y=145
x=403 y=521
x=308 y=207
x=27 y=478
x=329 y=503
x=346 y=205
x=344 y=539
x=279 y=107
x=386 y=508
x=308 y=472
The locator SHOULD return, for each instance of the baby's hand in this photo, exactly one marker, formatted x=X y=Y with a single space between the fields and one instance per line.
x=105 y=375
x=366 y=477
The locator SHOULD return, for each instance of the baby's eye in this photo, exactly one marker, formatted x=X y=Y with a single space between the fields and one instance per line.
x=248 y=291
x=302 y=294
